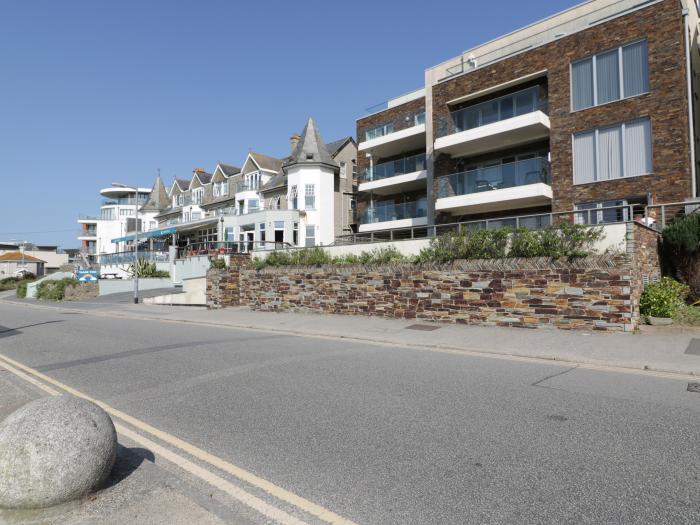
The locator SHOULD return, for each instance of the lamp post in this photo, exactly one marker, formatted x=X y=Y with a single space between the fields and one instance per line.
x=136 y=238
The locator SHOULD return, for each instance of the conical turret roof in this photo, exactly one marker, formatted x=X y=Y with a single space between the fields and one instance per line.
x=158 y=199
x=310 y=149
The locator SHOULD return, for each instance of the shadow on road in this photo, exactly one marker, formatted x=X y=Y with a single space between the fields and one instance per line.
x=7 y=332
x=128 y=461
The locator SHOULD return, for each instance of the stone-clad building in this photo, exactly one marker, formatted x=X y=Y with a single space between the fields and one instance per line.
x=592 y=108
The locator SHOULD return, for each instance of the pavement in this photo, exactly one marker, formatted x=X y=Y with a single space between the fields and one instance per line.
x=672 y=349
x=325 y=419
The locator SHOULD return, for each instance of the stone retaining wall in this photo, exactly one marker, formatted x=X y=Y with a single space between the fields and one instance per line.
x=596 y=292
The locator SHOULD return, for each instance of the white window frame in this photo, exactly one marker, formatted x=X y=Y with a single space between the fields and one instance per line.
x=197 y=195
x=307 y=237
x=292 y=198
x=620 y=66
x=310 y=191
x=623 y=151
x=343 y=169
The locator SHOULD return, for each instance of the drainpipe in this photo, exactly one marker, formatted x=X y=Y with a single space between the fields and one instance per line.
x=689 y=76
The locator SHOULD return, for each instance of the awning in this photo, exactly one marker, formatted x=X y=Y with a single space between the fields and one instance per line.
x=145 y=235
x=188 y=226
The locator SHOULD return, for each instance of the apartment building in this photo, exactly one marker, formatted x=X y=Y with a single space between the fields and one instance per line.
x=304 y=199
x=592 y=108
x=117 y=217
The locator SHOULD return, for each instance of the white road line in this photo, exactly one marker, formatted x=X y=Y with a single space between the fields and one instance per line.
x=278 y=492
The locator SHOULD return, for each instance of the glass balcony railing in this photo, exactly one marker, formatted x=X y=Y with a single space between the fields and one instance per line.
x=502 y=108
x=395 y=212
x=510 y=175
x=394 y=167
x=386 y=129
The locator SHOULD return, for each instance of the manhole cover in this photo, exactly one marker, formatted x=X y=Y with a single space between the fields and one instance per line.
x=423 y=327
x=694 y=387
x=693 y=347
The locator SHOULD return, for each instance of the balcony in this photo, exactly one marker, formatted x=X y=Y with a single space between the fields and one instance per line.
x=522 y=184
x=389 y=216
x=400 y=175
x=387 y=141
x=505 y=122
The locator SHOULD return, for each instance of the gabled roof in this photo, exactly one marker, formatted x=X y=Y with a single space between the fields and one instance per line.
x=277 y=181
x=264 y=162
x=311 y=149
x=335 y=146
x=19 y=257
x=203 y=176
x=183 y=184
x=228 y=169
x=158 y=199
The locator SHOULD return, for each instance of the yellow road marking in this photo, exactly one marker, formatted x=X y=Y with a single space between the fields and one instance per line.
x=242 y=474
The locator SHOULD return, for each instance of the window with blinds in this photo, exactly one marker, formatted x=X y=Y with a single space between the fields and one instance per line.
x=610 y=76
x=613 y=152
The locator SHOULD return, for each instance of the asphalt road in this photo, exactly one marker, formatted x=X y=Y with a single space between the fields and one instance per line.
x=383 y=434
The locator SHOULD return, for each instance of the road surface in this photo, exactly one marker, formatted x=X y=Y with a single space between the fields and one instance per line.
x=378 y=433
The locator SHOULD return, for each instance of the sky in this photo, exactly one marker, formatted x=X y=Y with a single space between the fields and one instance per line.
x=95 y=92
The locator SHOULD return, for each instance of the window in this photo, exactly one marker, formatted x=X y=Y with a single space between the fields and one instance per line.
x=343 y=170
x=253 y=205
x=224 y=188
x=310 y=197
x=310 y=236
x=293 y=198
x=295 y=234
x=379 y=131
x=614 y=152
x=419 y=118
x=125 y=212
x=354 y=169
x=613 y=75
x=610 y=211
x=197 y=195
x=261 y=230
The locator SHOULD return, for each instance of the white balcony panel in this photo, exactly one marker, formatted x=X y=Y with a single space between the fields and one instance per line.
x=397 y=142
x=396 y=184
x=529 y=196
x=87 y=237
x=508 y=133
x=392 y=225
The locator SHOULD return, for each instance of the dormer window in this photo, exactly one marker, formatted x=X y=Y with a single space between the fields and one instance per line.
x=309 y=156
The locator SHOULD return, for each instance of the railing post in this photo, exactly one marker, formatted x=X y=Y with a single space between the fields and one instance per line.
x=391 y=235
x=412 y=233
x=663 y=216
x=517 y=223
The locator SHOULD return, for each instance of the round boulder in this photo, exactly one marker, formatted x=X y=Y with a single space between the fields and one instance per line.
x=53 y=450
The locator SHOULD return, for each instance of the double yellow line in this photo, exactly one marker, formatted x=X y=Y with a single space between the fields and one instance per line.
x=55 y=388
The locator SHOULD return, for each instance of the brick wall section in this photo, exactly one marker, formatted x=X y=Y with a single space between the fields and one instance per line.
x=591 y=293
x=396 y=115
x=81 y=291
x=223 y=286
x=666 y=104
x=643 y=251
x=596 y=292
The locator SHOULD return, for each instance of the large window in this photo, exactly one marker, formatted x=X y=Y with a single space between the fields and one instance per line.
x=613 y=75
x=379 y=131
x=197 y=195
x=293 y=202
x=310 y=197
x=310 y=236
x=613 y=152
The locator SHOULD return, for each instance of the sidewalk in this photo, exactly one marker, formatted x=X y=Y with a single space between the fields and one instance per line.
x=671 y=349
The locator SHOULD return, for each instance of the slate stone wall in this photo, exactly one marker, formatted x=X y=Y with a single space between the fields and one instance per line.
x=596 y=292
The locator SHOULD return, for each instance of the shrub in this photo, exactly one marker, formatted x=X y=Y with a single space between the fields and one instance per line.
x=687 y=314
x=680 y=251
x=219 y=263
x=21 y=290
x=10 y=283
x=663 y=298
x=145 y=268
x=54 y=290
x=375 y=256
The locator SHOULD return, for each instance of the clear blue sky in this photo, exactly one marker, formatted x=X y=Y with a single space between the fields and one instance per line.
x=94 y=91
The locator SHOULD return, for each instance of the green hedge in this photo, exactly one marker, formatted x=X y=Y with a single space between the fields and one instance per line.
x=54 y=290
x=663 y=298
x=11 y=283
x=565 y=240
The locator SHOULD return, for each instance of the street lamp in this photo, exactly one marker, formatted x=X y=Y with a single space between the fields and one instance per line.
x=136 y=239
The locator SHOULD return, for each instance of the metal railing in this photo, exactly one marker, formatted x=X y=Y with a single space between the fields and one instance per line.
x=597 y=216
x=130 y=257
x=395 y=212
x=509 y=175
x=215 y=248
x=395 y=167
x=495 y=110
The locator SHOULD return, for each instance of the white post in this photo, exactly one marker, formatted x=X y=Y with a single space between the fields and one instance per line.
x=136 y=249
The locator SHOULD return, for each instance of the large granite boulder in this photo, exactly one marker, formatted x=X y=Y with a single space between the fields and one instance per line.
x=53 y=450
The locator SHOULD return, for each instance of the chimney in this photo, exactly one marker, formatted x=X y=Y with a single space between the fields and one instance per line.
x=293 y=141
